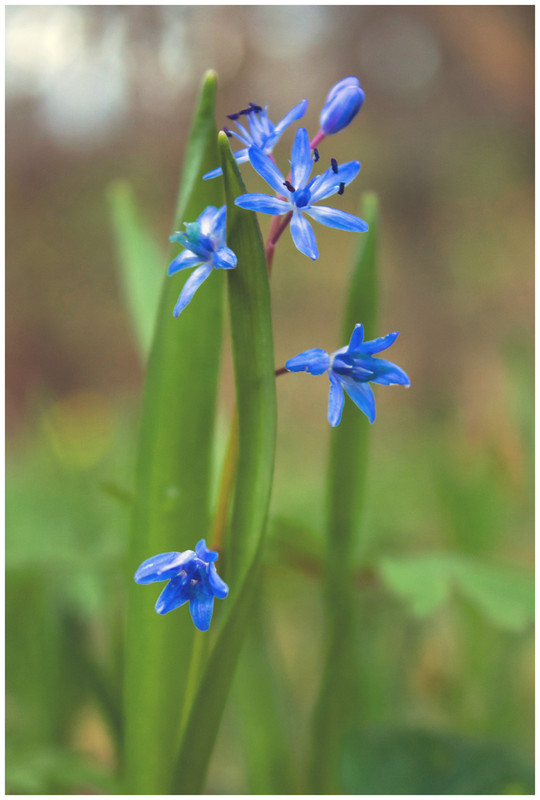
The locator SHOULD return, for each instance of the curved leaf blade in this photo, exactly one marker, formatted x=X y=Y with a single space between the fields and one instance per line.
x=251 y=330
x=171 y=504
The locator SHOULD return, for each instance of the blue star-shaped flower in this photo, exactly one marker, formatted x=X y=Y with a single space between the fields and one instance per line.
x=262 y=134
x=301 y=195
x=204 y=241
x=352 y=368
x=192 y=576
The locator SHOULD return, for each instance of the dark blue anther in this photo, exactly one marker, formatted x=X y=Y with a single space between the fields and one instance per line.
x=227 y=132
x=289 y=186
x=316 y=154
x=333 y=163
x=341 y=188
x=234 y=116
x=254 y=107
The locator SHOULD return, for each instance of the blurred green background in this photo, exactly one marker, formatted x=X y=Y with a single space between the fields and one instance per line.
x=446 y=139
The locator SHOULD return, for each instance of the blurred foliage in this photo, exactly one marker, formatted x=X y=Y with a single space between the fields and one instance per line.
x=420 y=762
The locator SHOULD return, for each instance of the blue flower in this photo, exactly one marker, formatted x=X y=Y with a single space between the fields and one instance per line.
x=343 y=103
x=262 y=133
x=352 y=368
x=192 y=576
x=301 y=195
x=204 y=241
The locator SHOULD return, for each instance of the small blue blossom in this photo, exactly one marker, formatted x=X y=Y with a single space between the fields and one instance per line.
x=301 y=194
x=343 y=103
x=192 y=576
x=352 y=368
x=262 y=133
x=204 y=241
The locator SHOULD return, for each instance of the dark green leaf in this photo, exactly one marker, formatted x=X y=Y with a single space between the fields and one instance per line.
x=418 y=762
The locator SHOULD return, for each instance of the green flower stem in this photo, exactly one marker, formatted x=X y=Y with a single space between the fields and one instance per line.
x=337 y=706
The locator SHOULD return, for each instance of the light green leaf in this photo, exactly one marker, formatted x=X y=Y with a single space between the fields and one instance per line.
x=504 y=594
x=252 y=342
x=423 y=582
x=140 y=262
x=172 y=488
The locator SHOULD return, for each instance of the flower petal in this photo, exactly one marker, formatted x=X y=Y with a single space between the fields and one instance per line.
x=336 y=400
x=388 y=373
x=214 y=173
x=295 y=113
x=204 y=553
x=183 y=261
x=256 y=201
x=314 y=361
x=215 y=226
x=362 y=395
x=301 y=162
x=266 y=169
x=162 y=567
x=376 y=345
x=328 y=183
x=206 y=219
x=356 y=339
x=224 y=258
x=191 y=286
x=174 y=595
x=336 y=219
x=303 y=236
x=201 y=609
x=218 y=586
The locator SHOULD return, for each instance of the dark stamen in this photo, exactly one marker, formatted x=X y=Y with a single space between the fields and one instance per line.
x=227 y=132
x=289 y=186
x=341 y=188
x=254 y=107
x=333 y=164
x=316 y=155
x=234 y=116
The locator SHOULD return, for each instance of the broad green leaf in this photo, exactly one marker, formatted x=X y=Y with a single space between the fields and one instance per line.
x=251 y=330
x=416 y=762
x=346 y=481
x=423 y=582
x=140 y=262
x=171 y=503
x=503 y=594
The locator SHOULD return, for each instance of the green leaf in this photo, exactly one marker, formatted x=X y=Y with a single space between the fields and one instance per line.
x=140 y=262
x=420 y=762
x=423 y=581
x=503 y=594
x=346 y=482
x=252 y=342
x=171 y=504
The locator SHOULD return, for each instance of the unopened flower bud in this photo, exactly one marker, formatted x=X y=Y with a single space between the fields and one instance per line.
x=343 y=103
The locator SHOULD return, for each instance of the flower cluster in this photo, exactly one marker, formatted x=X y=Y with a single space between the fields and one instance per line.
x=192 y=574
